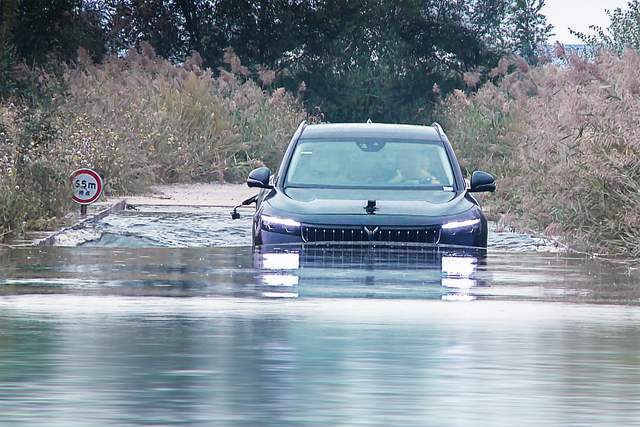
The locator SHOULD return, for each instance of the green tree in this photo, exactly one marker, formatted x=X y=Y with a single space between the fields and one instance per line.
x=261 y=32
x=47 y=30
x=158 y=22
x=623 y=31
x=380 y=59
x=7 y=60
x=528 y=28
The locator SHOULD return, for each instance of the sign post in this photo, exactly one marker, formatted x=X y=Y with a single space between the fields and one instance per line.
x=87 y=188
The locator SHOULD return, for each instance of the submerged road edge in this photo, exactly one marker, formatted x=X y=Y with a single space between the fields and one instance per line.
x=116 y=207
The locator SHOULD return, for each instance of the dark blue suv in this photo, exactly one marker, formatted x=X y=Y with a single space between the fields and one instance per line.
x=369 y=183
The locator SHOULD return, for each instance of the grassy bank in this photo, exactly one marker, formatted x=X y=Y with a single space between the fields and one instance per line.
x=564 y=142
x=137 y=120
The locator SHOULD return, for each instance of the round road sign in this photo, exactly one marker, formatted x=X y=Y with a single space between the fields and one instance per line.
x=87 y=186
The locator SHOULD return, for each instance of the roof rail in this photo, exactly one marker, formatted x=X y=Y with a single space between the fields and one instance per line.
x=438 y=128
x=296 y=134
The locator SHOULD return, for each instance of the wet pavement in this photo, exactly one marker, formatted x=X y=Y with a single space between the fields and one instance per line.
x=169 y=318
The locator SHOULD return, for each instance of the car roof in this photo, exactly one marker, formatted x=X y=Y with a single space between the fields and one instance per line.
x=370 y=130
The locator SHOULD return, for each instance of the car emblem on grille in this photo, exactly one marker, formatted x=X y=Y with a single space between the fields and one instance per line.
x=371 y=232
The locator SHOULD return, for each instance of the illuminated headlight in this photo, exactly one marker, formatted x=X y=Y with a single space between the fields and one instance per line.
x=279 y=225
x=457 y=225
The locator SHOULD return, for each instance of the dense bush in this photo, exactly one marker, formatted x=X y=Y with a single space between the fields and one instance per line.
x=138 y=120
x=564 y=142
x=33 y=183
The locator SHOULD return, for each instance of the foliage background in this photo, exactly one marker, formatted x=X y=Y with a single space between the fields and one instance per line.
x=563 y=141
x=152 y=90
x=358 y=59
x=137 y=120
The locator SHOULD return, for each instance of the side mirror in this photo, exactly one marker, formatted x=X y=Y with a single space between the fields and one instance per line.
x=235 y=214
x=259 y=178
x=482 y=181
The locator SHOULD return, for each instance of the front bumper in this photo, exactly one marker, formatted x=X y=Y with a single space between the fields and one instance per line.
x=461 y=231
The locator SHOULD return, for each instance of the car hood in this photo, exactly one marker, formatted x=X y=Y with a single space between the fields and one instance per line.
x=321 y=202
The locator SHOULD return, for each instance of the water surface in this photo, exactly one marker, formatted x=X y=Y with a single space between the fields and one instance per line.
x=193 y=226
x=127 y=333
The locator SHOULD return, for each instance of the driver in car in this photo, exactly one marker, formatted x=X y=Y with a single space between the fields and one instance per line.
x=416 y=170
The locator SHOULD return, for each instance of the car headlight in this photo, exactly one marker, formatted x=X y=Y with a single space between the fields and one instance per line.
x=279 y=225
x=461 y=225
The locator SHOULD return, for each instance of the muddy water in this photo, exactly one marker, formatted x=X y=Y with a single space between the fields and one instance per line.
x=119 y=332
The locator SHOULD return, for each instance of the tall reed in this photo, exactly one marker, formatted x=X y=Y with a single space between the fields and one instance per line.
x=564 y=141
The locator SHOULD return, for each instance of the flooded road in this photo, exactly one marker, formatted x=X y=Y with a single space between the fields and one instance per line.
x=121 y=331
x=197 y=226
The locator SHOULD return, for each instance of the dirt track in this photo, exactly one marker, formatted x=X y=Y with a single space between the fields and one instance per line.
x=193 y=195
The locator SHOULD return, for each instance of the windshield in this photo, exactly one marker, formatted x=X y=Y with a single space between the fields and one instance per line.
x=370 y=163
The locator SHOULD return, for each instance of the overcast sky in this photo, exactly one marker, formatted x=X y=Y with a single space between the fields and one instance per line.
x=578 y=15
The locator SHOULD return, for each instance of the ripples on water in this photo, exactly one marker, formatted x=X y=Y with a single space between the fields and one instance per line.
x=310 y=335
x=177 y=227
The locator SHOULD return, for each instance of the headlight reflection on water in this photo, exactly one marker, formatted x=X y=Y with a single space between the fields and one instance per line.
x=458 y=283
x=279 y=295
x=282 y=281
x=462 y=267
x=367 y=273
x=280 y=261
x=288 y=280
x=459 y=273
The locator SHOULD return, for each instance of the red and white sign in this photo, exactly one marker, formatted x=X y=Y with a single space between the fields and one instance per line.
x=87 y=186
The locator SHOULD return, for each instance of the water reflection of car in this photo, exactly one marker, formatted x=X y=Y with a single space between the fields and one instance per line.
x=320 y=270
x=379 y=183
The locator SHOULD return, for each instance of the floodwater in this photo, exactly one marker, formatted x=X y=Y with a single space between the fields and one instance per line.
x=157 y=325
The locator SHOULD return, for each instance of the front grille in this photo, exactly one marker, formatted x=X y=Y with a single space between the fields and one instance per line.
x=367 y=257
x=318 y=233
